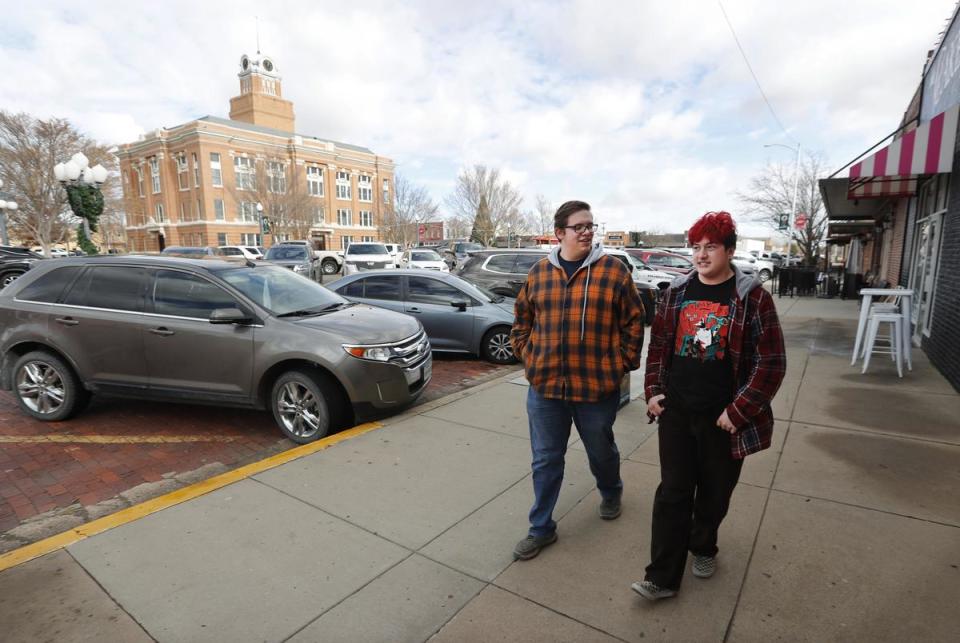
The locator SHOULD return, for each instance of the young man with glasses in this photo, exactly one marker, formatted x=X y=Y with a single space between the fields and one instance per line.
x=715 y=361
x=578 y=330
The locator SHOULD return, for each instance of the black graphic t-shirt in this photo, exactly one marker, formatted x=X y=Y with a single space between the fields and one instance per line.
x=701 y=374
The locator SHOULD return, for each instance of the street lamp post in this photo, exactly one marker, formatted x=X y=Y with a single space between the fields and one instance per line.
x=82 y=185
x=5 y=204
x=793 y=206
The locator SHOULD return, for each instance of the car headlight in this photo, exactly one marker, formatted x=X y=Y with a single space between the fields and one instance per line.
x=374 y=353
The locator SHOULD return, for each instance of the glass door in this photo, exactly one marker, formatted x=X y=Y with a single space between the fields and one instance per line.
x=924 y=273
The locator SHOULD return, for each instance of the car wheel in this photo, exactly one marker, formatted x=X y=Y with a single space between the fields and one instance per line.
x=299 y=405
x=329 y=267
x=46 y=387
x=765 y=275
x=9 y=277
x=496 y=346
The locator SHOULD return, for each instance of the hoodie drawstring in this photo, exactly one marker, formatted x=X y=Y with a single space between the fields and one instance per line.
x=583 y=312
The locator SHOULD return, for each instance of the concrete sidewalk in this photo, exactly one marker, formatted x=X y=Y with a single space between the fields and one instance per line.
x=847 y=529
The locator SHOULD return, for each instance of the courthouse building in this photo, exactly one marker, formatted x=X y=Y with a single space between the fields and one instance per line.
x=199 y=183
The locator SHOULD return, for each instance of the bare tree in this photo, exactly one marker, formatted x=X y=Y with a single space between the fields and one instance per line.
x=411 y=206
x=543 y=215
x=29 y=148
x=281 y=189
x=459 y=226
x=770 y=196
x=481 y=184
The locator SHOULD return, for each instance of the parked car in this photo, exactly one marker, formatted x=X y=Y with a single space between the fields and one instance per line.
x=189 y=251
x=366 y=256
x=296 y=258
x=455 y=252
x=456 y=315
x=641 y=272
x=330 y=261
x=17 y=251
x=247 y=252
x=746 y=262
x=504 y=272
x=423 y=258
x=663 y=260
x=13 y=266
x=207 y=331
x=395 y=250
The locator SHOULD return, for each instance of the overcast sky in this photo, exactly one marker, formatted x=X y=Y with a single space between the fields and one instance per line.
x=644 y=109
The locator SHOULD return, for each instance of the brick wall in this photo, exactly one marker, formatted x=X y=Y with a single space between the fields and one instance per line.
x=896 y=246
x=942 y=347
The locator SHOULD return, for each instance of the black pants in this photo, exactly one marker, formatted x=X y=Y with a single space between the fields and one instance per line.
x=697 y=478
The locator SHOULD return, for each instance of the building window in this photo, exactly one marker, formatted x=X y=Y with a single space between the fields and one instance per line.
x=183 y=211
x=386 y=190
x=270 y=87
x=139 y=180
x=155 y=174
x=319 y=215
x=218 y=209
x=364 y=189
x=246 y=173
x=277 y=177
x=366 y=239
x=366 y=218
x=247 y=212
x=160 y=216
x=221 y=238
x=216 y=177
x=196 y=171
x=315 y=181
x=183 y=181
x=343 y=186
x=199 y=211
x=345 y=241
x=249 y=239
x=344 y=217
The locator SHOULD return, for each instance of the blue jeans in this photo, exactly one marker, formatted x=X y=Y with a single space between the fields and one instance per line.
x=549 y=431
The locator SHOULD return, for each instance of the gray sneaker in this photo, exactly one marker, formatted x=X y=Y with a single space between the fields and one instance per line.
x=651 y=591
x=530 y=546
x=609 y=508
x=704 y=566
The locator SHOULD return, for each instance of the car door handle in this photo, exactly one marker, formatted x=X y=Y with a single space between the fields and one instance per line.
x=413 y=309
x=161 y=331
x=66 y=321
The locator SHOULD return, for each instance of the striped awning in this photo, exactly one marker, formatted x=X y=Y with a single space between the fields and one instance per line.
x=893 y=170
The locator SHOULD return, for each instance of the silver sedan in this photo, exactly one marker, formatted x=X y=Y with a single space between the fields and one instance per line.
x=456 y=315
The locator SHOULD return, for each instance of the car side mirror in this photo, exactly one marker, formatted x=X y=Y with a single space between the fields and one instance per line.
x=229 y=316
x=459 y=303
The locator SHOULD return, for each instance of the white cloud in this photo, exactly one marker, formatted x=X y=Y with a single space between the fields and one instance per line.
x=645 y=108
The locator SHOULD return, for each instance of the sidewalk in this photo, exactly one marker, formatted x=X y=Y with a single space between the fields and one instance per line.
x=847 y=529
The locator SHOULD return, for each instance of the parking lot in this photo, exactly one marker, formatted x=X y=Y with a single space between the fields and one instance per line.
x=119 y=452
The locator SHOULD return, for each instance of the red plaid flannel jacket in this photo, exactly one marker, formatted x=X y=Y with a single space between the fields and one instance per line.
x=755 y=348
x=577 y=340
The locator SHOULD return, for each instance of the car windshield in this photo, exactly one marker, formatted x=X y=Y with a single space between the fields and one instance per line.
x=469 y=247
x=281 y=291
x=425 y=255
x=367 y=249
x=286 y=253
x=636 y=263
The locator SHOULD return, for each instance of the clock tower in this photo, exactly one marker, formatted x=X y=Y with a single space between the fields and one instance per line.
x=260 y=101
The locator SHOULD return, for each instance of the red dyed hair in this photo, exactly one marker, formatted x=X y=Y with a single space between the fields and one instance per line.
x=717 y=227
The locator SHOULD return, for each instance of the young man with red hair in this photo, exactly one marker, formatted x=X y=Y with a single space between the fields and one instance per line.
x=715 y=361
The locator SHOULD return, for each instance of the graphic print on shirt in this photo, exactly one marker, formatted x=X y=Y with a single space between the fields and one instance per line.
x=702 y=331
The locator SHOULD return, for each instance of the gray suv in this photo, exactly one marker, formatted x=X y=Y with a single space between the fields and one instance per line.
x=207 y=331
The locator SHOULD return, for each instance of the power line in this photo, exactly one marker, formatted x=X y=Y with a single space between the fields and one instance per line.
x=750 y=67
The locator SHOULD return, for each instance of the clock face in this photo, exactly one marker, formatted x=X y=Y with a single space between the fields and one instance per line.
x=268 y=64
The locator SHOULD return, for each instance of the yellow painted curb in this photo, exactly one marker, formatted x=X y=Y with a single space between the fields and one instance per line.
x=122 y=517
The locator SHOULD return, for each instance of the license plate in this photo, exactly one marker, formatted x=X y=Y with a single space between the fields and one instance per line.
x=419 y=375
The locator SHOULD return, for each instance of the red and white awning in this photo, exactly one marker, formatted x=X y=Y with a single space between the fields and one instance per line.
x=893 y=170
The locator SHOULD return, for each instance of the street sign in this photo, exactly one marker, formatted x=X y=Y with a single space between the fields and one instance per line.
x=800 y=222
x=783 y=221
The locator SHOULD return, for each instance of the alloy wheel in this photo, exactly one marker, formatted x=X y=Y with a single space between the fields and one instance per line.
x=499 y=347
x=8 y=279
x=40 y=387
x=299 y=410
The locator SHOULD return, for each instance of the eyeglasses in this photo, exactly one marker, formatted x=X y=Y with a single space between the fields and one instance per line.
x=580 y=228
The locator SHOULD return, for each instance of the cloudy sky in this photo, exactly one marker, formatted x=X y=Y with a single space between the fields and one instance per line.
x=644 y=109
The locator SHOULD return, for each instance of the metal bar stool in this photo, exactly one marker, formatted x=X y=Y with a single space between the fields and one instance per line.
x=895 y=350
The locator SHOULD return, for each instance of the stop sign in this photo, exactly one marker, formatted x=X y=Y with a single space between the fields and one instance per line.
x=423 y=229
x=800 y=221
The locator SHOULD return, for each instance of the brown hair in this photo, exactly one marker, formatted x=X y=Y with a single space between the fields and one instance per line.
x=566 y=210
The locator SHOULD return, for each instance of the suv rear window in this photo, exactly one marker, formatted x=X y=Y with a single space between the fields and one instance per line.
x=527 y=261
x=48 y=287
x=111 y=287
x=501 y=263
x=367 y=249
